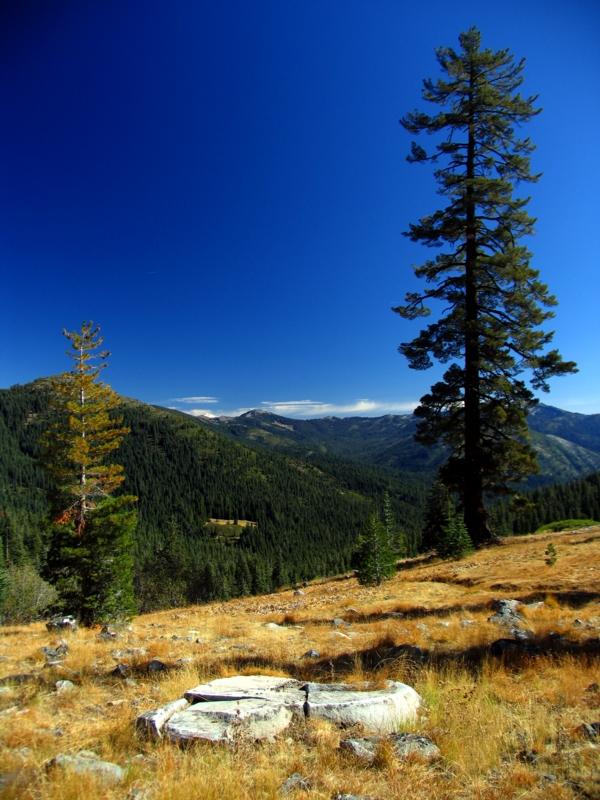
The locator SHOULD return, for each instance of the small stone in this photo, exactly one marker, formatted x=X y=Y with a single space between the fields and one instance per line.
x=64 y=686
x=404 y=745
x=62 y=622
x=54 y=654
x=351 y=797
x=338 y=622
x=107 y=634
x=464 y=623
x=155 y=665
x=273 y=626
x=87 y=762
x=311 y=654
x=295 y=781
x=120 y=671
x=591 y=730
x=298 y=593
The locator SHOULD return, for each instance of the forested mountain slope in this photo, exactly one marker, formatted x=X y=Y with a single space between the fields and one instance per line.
x=567 y=444
x=307 y=515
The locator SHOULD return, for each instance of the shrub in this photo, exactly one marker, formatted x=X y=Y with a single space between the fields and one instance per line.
x=26 y=595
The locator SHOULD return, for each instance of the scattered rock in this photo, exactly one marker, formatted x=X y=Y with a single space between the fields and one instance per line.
x=534 y=606
x=591 y=730
x=404 y=745
x=56 y=654
x=62 y=622
x=88 y=763
x=311 y=654
x=464 y=623
x=273 y=626
x=506 y=613
x=155 y=665
x=64 y=686
x=295 y=781
x=298 y=593
x=351 y=797
x=121 y=671
x=338 y=622
x=107 y=634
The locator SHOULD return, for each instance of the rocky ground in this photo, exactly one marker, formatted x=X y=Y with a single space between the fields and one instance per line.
x=503 y=648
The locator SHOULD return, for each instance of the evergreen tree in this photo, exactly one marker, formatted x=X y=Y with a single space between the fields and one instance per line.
x=91 y=553
x=374 y=557
x=396 y=536
x=454 y=540
x=493 y=301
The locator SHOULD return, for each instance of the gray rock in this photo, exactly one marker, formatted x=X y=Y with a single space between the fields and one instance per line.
x=465 y=623
x=88 y=763
x=404 y=745
x=62 y=622
x=107 y=634
x=311 y=654
x=121 y=671
x=351 y=797
x=155 y=665
x=227 y=720
x=338 y=622
x=295 y=781
x=298 y=593
x=591 y=730
x=151 y=723
x=506 y=613
x=379 y=710
x=64 y=686
x=273 y=626
x=129 y=653
x=57 y=653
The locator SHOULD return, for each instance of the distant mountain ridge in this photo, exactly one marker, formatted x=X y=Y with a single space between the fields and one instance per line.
x=567 y=443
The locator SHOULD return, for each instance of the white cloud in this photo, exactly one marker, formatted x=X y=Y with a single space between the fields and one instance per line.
x=196 y=399
x=312 y=408
x=306 y=409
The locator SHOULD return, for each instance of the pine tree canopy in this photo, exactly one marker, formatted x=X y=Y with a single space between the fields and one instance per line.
x=493 y=305
x=83 y=431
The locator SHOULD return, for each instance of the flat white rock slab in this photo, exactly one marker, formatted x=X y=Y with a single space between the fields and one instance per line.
x=227 y=720
x=380 y=710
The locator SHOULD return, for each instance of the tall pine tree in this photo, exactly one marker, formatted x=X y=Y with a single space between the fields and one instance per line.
x=493 y=304
x=91 y=553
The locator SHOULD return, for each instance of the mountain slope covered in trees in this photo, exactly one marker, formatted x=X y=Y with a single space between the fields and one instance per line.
x=307 y=516
x=567 y=444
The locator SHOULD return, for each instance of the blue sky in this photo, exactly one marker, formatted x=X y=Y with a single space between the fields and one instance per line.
x=223 y=187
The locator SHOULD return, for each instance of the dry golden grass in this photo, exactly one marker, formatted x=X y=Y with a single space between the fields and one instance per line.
x=506 y=728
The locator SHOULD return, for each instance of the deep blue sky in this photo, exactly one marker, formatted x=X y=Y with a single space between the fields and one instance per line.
x=223 y=187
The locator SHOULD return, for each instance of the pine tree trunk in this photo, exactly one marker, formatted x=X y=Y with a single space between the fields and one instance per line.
x=475 y=514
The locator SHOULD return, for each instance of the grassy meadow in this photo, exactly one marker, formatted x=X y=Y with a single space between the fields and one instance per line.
x=507 y=726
